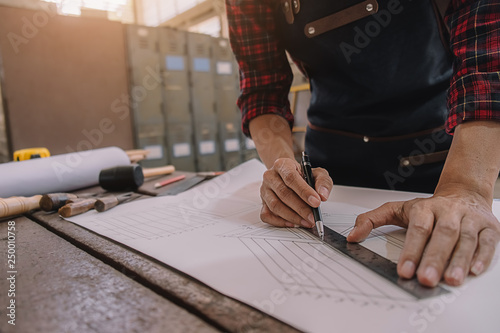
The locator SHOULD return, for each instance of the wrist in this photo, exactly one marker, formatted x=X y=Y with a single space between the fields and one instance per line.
x=461 y=191
x=272 y=137
x=473 y=161
x=472 y=182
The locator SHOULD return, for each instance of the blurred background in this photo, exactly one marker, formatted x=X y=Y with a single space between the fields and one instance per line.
x=146 y=74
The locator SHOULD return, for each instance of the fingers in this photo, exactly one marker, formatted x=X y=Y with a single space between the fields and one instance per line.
x=388 y=213
x=420 y=225
x=323 y=183
x=488 y=239
x=459 y=265
x=447 y=240
x=276 y=212
x=287 y=172
x=287 y=197
x=267 y=216
x=440 y=247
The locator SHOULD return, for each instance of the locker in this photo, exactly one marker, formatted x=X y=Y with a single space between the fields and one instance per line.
x=207 y=145
x=176 y=98
x=250 y=151
x=203 y=102
x=231 y=144
x=146 y=93
x=228 y=114
x=180 y=136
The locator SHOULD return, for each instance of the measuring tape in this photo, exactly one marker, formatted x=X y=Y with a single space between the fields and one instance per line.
x=376 y=263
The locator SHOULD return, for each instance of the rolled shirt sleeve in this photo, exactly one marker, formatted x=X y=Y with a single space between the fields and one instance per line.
x=265 y=74
x=474 y=92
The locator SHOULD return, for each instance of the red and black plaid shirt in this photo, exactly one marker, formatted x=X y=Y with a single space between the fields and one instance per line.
x=265 y=75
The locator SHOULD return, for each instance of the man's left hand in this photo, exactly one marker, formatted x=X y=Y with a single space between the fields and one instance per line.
x=450 y=234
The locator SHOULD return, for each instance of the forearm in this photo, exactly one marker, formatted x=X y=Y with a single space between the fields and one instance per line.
x=265 y=74
x=273 y=138
x=474 y=159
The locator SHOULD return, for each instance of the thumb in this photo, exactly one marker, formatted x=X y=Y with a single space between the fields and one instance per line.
x=388 y=213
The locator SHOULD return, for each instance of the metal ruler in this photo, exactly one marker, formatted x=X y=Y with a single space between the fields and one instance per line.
x=378 y=264
x=183 y=186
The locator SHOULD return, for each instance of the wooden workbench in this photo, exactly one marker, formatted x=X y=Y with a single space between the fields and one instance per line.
x=70 y=279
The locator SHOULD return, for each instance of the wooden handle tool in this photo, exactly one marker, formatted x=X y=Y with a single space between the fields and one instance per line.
x=54 y=201
x=110 y=201
x=165 y=170
x=76 y=206
x=18 y=205
x=136 y=155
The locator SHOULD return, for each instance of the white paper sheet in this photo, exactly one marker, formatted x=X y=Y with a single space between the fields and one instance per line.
x=214 y=234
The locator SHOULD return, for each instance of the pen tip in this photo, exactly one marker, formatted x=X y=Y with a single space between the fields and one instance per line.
x=320 y=229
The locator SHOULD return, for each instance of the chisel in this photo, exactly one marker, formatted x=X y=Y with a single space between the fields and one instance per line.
x=110 y=201
x=76 y=206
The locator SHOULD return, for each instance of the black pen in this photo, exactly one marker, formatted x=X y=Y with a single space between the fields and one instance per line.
x=308 y=176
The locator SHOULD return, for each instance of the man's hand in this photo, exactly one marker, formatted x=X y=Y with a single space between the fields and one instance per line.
x=450 y=234
x=454 y=232
x=287 y=198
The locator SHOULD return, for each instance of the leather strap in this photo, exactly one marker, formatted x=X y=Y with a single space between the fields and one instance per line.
x=367 y=138
x=290 y=8
x=416 y=160
x=296 y=6
x=440 y=7
x=343 y=17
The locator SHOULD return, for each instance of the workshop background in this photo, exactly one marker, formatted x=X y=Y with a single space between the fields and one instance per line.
x=147 y=74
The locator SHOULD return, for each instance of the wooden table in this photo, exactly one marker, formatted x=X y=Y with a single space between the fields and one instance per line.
x=70 y=279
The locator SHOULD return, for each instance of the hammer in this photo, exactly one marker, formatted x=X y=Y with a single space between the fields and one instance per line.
x=129 y=177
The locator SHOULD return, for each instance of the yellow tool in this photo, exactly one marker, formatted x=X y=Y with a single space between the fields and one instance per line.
x=29 y=153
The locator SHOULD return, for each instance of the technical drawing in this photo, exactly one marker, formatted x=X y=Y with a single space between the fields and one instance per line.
x=157 y=222
x=302 y=264
x=166 y=220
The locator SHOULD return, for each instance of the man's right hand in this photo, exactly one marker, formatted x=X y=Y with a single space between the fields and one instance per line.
x=287 y=198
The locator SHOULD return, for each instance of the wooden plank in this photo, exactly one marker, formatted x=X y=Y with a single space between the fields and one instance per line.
x=224 y=312
x=60 y=288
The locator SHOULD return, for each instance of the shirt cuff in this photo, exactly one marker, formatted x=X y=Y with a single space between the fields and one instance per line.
x=474 y=96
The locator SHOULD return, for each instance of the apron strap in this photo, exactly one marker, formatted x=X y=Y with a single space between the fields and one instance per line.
x=367 y=138
x=442 y=5
x=343 y=17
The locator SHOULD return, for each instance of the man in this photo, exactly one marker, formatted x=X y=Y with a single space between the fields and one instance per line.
x=379 y=74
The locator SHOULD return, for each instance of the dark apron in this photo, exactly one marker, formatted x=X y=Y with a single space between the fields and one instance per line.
x=378 y=87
